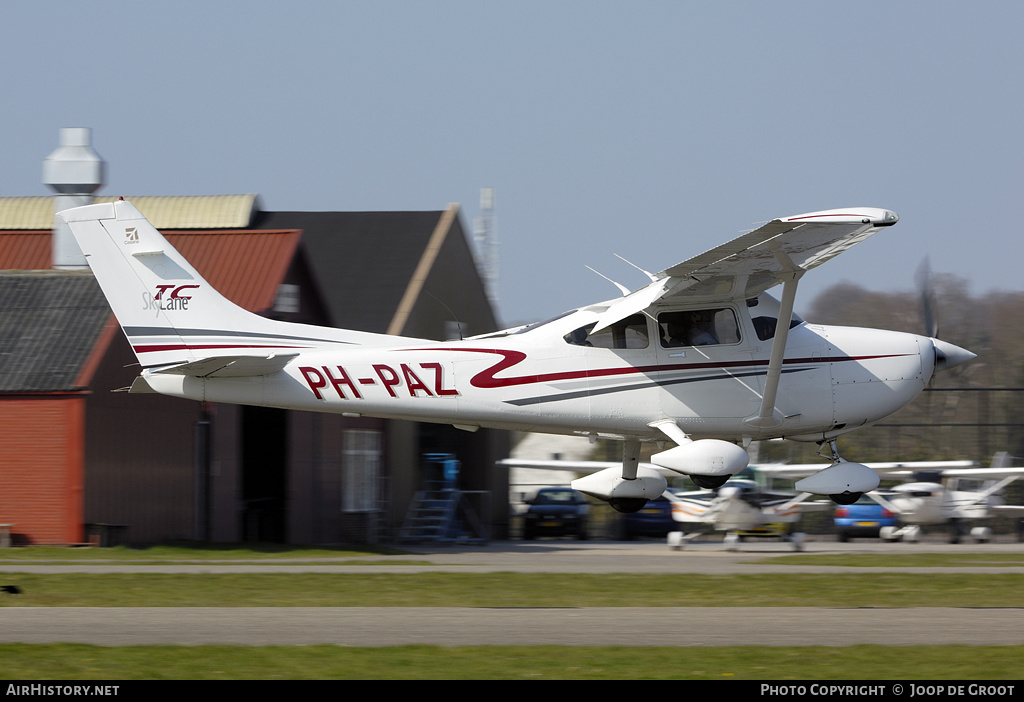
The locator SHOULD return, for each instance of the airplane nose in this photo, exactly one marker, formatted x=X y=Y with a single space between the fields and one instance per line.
x=948 y=355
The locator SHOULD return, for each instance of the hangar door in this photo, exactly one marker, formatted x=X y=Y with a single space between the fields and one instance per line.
x=264 y=479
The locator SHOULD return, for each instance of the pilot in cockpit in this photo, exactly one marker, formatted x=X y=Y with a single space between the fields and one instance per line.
x=690 y=328
x=702 y=328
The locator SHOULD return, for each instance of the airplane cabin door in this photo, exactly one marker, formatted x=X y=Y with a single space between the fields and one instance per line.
x=706 y=376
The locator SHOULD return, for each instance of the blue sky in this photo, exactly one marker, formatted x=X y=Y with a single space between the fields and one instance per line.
x=650 y=129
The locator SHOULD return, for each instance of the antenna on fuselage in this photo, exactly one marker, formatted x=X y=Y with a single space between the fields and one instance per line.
x=622 y=288
x=647 y=273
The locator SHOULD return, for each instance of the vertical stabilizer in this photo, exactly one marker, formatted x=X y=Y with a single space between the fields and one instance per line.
x=169 y=313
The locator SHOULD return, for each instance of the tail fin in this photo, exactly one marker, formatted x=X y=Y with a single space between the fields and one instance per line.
x=169 y=313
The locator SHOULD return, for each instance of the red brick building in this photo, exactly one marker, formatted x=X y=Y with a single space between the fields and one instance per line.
x=79 y=458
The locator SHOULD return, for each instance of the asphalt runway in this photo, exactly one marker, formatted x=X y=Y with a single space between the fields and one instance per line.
x=458 y=626
x=463 y=626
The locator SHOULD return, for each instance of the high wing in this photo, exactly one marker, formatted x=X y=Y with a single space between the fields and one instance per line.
x=754 y=262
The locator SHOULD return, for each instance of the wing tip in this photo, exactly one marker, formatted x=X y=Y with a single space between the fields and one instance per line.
x=847 y=215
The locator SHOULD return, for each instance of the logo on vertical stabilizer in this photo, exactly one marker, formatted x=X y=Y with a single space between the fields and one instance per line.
x=131 y=235
x=168 y=297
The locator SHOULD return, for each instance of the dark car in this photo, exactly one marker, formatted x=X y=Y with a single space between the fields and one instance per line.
x=654 y=519
x=556 y=511
x=864 y=518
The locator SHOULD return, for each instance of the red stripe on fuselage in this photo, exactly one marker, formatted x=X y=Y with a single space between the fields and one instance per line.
x=486 y=378
x=190 y=347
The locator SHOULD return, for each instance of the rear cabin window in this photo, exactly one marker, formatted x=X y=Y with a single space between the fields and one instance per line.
x=629 y=333
x=706 y=327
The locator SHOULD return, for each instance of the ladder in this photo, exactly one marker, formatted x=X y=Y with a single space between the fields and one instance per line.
x=443 y=515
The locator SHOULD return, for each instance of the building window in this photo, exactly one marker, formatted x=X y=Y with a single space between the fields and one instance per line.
x=287 y=298
x=361 y=466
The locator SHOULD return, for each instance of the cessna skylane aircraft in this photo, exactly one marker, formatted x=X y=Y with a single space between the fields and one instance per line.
x=701 y=356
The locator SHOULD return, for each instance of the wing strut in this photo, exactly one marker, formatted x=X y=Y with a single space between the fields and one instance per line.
x=767 y=416
x=630 y=458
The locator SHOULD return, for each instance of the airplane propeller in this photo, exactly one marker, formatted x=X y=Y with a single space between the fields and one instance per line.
x=929 y=316
x=947 y=355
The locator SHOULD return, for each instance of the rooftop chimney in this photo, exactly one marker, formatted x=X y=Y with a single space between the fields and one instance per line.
x=75 y=172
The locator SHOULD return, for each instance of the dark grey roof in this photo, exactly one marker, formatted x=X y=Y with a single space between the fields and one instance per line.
x=50 y=322
x=362 y=261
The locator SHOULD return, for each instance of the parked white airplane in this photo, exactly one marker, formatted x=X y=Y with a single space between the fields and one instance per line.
x=741 y=506
x=700 y=356
x=947 y=496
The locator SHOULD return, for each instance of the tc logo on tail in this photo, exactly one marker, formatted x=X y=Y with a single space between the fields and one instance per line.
x=172 y=301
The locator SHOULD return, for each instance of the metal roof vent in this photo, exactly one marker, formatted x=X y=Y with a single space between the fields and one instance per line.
x=75 y=172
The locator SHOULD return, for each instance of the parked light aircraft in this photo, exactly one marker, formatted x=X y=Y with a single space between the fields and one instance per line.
x=949 y=496
x=746 y=503
x=740 y=506
x=700 y=356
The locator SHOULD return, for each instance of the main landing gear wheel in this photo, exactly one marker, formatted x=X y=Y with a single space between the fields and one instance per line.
x=627 y=505
x=846 y=498
x=709 y=482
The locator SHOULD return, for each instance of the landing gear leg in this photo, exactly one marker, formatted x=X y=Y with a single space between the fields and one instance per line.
x=833 y=452
x=796 y=540
x=956 y=531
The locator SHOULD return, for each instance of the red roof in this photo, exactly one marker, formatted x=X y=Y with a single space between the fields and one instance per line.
x=25 y=251
x=246 y=266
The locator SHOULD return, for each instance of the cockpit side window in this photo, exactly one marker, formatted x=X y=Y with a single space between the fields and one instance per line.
x=705 y=327
x=629 y=333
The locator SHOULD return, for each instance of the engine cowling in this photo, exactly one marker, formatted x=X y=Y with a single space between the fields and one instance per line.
x=623 y=495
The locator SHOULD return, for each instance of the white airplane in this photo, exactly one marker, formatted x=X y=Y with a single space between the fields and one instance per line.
x=632 y=368
x=949 y=496
x=741 y=506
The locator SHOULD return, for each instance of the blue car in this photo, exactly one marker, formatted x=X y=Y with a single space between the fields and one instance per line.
x=557 y=511
x=654 y=519
x=864 y=518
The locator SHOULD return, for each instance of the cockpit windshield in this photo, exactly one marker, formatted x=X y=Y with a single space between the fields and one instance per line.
x=628 y=333
x=523 y=328
x=764 y=313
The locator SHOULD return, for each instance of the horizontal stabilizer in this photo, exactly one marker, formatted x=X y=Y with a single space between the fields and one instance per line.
x=140 y=386
x=231 y=366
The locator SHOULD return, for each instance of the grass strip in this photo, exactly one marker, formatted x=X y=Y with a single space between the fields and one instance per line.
x=857 y=663
x=514 y=590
